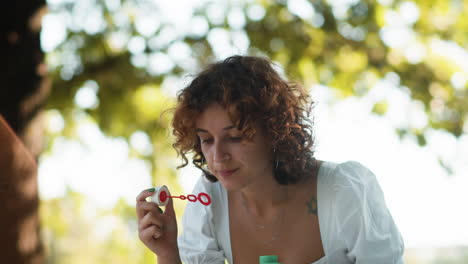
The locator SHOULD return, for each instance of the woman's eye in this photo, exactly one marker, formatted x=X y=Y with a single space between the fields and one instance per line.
x=204 y=141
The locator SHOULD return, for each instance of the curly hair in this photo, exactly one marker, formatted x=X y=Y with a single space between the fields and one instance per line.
x=252 y=92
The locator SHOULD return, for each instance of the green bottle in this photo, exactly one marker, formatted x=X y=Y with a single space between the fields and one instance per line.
x=270 y=259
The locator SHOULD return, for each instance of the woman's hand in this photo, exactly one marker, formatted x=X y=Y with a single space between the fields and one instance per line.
x=157 y=229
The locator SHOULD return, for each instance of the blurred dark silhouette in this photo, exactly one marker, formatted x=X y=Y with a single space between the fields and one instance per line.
x=22 y=96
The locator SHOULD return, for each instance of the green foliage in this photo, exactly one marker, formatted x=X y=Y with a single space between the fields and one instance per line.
x=325 y=48
x=76 y=231
x=380 y=107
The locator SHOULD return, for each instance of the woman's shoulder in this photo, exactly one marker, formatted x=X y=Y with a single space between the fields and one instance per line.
x=361 y=217
x=347 y=183
x=346 y=174
x=350 y=186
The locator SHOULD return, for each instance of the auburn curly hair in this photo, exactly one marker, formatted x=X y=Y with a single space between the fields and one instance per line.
x=252 y=92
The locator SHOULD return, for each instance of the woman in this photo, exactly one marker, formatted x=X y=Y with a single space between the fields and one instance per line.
x=247 y=130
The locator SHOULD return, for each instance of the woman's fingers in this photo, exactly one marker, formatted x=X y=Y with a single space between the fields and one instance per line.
x=158 y=232
x=150 y=233
x=142 y=196
x=150 y=217
x=150 y=220
x=146 y=207
x=141 y=200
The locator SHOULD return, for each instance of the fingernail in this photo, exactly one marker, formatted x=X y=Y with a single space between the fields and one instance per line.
x=160 y=210
x=150 y=190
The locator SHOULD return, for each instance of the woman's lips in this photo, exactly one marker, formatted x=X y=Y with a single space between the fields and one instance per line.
x=227 y=173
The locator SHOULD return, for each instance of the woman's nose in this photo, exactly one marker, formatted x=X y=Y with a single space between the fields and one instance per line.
x=220 y=154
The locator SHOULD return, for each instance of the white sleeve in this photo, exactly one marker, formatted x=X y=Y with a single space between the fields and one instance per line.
x=365 y=223
x=197 y=243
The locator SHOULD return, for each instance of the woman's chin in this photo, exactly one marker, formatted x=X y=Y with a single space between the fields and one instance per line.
x=230 y=185
x=229 y=180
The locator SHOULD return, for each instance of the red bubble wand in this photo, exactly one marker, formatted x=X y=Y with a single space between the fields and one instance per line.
x=161 y=194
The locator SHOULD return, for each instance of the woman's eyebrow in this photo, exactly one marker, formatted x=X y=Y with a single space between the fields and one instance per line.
x=197 y=130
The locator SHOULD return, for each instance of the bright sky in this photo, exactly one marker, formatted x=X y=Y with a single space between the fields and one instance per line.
x=425 y=202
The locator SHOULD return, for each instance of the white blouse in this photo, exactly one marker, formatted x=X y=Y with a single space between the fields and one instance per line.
x=355 y=223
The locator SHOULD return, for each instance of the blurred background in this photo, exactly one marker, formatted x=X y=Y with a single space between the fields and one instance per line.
x=87 y=83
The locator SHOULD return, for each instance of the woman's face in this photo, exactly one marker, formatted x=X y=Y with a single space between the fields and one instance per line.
x=235 y=162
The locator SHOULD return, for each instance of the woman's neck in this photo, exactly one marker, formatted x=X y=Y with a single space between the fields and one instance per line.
x=264 y=198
